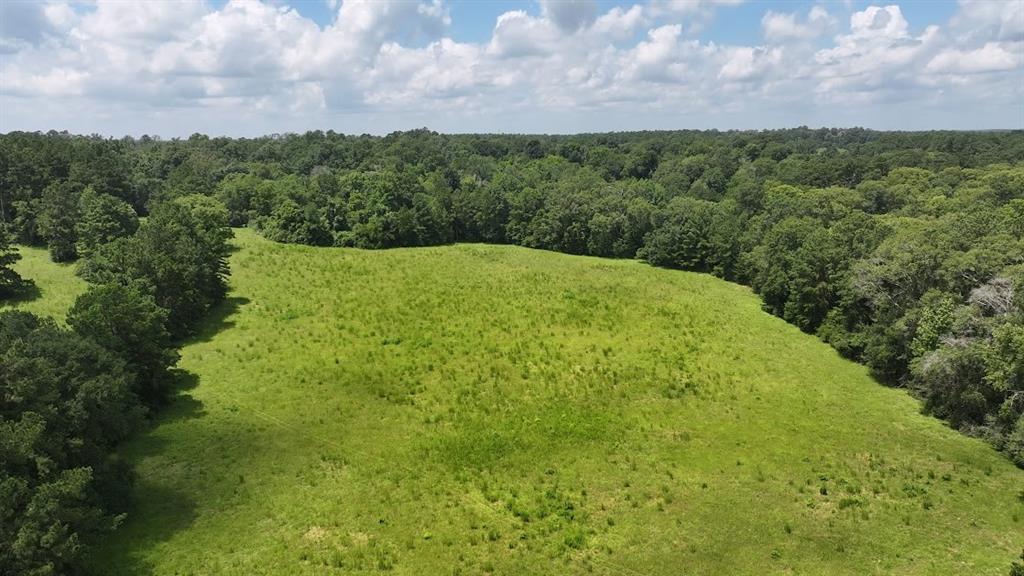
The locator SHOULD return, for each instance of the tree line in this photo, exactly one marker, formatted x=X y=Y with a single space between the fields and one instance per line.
x=69 y=396
x=904 y=251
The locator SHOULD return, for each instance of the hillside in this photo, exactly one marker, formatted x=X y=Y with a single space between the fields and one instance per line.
x=475 y=409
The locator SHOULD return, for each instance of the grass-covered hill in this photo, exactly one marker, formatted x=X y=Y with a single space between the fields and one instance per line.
x=480 y=409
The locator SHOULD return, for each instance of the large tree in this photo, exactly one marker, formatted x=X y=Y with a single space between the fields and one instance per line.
x=58 y=218
x=180 y=254
x=102 y=218
x=125 y=320
x=10 y=281
x=65 y=402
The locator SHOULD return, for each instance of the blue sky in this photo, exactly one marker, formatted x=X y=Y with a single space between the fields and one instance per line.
x=247 y=67
x=473 y=21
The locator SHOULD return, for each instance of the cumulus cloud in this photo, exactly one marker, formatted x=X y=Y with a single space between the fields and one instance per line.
x=782 y=27
x=398 y=59
x=992 y=57
x=518 y=34
x=151 y=21
x=988 y=20
x=876 y=54
x=569 y=15
x=745 y=63
x=23 y=21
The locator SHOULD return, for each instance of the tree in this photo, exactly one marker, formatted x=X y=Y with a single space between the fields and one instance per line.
x=58 y=218
x=952 y=382
x=236 y=192
x=65 y=402
x=102 y=218
x=180 y=253
x=26 y=221
x=10 y=281
x=125 y=320
x=680 y=236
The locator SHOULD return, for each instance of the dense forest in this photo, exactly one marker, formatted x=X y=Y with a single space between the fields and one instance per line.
x=70 y=395
x=904 y=251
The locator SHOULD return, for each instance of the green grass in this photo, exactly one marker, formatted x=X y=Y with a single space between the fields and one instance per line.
x=480 y=409
x=56 y=285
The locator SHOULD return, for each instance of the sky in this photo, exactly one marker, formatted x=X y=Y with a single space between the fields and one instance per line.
x=251 y=67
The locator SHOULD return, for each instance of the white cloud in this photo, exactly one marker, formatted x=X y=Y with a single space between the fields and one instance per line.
x=750 y=63
x=695 y=15
x=569 y=15
x=878 y=54
x=380 y=63
x=657 y=58
x=992 y=57
x=244 y=39
x=782 y=27
x=990 y=20
x=517 y=33
x=154 y=21
x=619 y=24
x=878 y=22
x=24 y=21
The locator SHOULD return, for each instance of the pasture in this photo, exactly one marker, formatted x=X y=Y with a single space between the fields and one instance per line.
x=476 y=409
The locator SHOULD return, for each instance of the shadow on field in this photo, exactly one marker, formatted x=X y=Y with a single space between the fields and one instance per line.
x=159 y=509
x=27 y=292
x=183 y=406
x=218 y=319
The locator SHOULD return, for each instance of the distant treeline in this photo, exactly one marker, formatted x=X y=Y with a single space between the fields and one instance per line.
x=70 y=396
x=905 y=251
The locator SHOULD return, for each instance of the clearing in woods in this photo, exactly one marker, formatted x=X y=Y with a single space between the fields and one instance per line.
x=477 y=409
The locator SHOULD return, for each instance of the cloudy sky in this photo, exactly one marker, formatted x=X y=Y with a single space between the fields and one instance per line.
x=248 y=67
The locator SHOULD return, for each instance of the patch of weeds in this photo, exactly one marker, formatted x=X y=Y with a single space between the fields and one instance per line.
x=849 y=503
x=576 y=537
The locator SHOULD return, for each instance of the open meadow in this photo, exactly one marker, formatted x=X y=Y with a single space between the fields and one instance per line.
x=55 y=286
x=475 y=409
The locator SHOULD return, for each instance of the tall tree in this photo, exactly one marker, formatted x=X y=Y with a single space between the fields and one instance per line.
x=180 y=253
x=102 y=218
x=10 y=281
x=125 y=320
x=58 y=218
x=64 y=403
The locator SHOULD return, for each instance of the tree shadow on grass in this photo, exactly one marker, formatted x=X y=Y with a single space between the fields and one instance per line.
x=217 y=320
x=158 y=510
x=183 y=406
x=26 y=292
x=157 y=514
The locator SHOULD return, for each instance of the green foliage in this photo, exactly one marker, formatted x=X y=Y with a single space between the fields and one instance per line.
x=125 y=320
x=848 y=234
x=681 y=236
x=101 y=219
x=10 y=281
x=952 y=382
x=69 y=398
x=58 y=220
x=180 y=254
x=64 y=403
x=934 y=320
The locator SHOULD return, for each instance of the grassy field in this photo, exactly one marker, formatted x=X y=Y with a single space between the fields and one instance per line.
x=479 y=409
x=56 y=285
